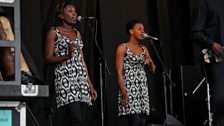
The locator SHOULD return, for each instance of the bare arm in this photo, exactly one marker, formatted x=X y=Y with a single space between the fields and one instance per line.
x=149 y=62
x=92 y=90
x=119 y=69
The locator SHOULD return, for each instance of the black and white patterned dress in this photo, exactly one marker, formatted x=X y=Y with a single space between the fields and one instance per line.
x=135 y=81
x=70 y=75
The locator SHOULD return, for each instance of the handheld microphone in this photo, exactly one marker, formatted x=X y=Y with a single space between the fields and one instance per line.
x=151 y=37
x=80 y=18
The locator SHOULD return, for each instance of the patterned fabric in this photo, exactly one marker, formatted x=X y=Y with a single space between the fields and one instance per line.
x=71 y=75
x=135 y=81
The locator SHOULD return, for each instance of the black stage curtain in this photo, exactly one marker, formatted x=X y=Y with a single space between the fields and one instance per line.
x=174 y=27
x=177 y=50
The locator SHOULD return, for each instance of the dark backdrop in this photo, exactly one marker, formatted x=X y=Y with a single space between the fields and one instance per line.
x=167 y=19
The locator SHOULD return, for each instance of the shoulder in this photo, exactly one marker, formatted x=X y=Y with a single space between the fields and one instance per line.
x=121 y=46
x=51 y=33
x=52 y=30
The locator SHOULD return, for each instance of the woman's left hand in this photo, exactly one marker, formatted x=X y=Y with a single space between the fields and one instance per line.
x=93 y=94
x=150 y=63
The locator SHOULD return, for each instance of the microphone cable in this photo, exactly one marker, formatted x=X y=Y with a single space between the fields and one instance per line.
x=33 y=118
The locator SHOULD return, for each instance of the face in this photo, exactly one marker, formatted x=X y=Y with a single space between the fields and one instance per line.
x=138 y=31
x=69 y=14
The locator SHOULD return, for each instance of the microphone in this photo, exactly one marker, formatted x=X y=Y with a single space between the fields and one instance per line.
x=151 y=37
x=80 y=18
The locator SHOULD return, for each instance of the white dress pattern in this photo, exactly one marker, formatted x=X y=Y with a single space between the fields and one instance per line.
x=70 y=75
x=135 y=81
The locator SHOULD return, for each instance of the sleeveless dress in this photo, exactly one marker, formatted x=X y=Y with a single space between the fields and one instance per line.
x=71 y=75
x=135 y=81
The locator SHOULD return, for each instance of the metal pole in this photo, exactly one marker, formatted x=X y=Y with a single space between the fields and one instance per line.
x=165 y=97
x=182 y=88
x=208 y=103
x=101 y=96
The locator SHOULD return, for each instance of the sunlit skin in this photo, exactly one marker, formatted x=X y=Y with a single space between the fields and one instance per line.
x=68 y=17
x=136 y=35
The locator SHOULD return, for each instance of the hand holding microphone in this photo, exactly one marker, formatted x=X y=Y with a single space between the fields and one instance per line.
x=71 y=50
x=149 y=62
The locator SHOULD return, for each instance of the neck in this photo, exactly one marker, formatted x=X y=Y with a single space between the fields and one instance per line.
x=66 y=25
x=133 y=41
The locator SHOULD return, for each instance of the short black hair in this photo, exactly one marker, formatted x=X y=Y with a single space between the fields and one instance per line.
x=131 y=23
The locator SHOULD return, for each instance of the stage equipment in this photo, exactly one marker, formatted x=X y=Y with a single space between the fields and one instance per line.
x=80 y=18
x=151 y=37
x=208 y=96
x=12 y=113
x=22 y=85
x=103 y=67
x=7 y=1
x=169 y=119
x=15 y=93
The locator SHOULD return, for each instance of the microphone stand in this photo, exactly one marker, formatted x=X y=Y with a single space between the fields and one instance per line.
x=165 y=75
x=210 y=118
x=102 y=59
